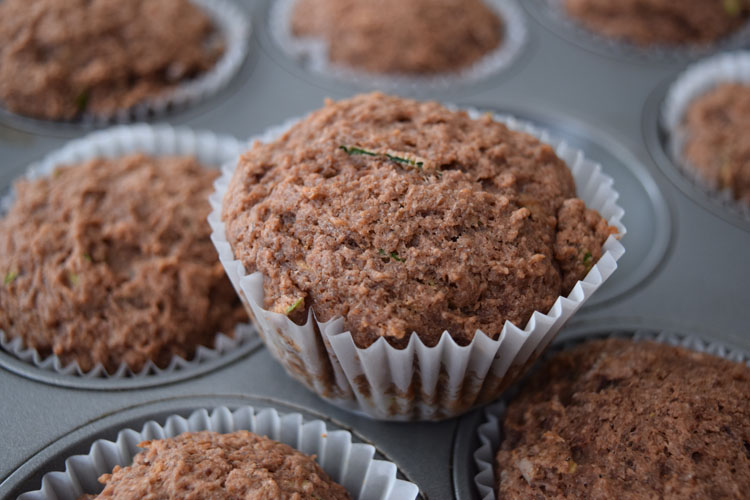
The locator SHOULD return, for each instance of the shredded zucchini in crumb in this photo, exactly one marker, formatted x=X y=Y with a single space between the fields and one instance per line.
x=395 y=156
x=12 y=275
x=294 y=306
x=588 y=260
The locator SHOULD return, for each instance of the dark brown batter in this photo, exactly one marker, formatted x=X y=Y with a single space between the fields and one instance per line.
x=110 y=262
x=397 y=36
x=718 y=131
x=404 y=216
x=61 y=58
x=661 y=22
x=211 y=466
x=629 y=420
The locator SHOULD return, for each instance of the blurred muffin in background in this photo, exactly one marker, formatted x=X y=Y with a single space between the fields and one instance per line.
x=60 y=59
x=717 y=133
x=417 y=37
x=661 y=22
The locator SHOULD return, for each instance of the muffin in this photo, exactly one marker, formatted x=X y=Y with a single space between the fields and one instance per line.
x=403 y=216
x=620 y=419
x=717 y=143
x=60 y=59
x=203 y=465
x=418 y=37
x=660 y=22
x=110 y=262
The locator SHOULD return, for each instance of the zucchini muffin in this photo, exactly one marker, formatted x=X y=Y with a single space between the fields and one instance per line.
x=661 y=22
x=403 y=216
x=621 y=419
x=209 y=465
x=717 y=143
x=396 y=36
x=62 y=58
x=110 y=262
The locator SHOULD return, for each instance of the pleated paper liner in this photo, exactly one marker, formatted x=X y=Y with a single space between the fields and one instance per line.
x=209 y=149
x=312 y=53
x=348 y=463
x=419 y=382
x=490 y=432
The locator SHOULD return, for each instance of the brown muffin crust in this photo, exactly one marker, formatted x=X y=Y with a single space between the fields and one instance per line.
x=661 y=22
x=485 y=228
x=111 y=262
x=717 y=125
x=629 y=420
x=396 y=36
x=61 y=58
x=208 y=465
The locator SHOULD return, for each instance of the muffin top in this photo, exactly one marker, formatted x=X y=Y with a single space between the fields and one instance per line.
x=621 y=419
x=110 y=262
x=396 y=36
x=718 y=142
x=405 y=216
x=208 y=465
x=661 y=22
x=61 y=58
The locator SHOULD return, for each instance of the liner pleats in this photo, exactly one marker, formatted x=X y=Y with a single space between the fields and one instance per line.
x=312 y=52
x=490 y=432
x=160 y=140
x=695 y=81
x=418 y=382
x=350 y=464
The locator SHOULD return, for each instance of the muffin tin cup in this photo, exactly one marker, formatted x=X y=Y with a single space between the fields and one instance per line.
x=312 y=53
x=490 y=432
x=418 y=382
x=350 y=464
x=599 y=42
x=694 y=82
x=209 y=149
x=234 y=27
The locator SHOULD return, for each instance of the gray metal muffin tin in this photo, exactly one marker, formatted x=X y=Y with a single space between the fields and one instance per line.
x=686 y=268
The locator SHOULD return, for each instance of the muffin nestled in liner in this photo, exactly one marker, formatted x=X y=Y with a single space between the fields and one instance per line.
x=400 y=45
x=420 y=372
x=348 y=463
x=79 y=263
x=108 y=61
x=671 y=410
x=706 y=116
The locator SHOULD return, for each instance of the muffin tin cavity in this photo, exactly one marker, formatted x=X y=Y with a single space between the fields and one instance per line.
x=552 y=15
x=355 y=464
x=658 y=139
x=640 y=198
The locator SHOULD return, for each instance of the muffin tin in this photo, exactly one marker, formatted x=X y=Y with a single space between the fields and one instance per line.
x=685 y=269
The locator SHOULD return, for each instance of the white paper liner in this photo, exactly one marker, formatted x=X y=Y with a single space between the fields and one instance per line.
x=656 y=52
x=696 y=80
x=312 y=52
x=490 y=434
x=234 y=27
x=158 y=140
x=350 y=464
x=419 y=382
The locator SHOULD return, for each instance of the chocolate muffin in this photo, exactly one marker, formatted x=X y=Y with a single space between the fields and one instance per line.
x=661 y=22
x=718 y=143
x=62 y=58
x=403 y=216
x=394 y=36
x=209 y=465
x=110 y=261
x=621 y=419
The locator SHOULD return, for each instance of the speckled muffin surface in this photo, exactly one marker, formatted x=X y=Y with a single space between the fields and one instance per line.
x=717 y=129
x=631 y=420
x=208 y=465
x=660 y=22
x=62 y=58
x=401 y=37
x=405 y=216
x=110 y=262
